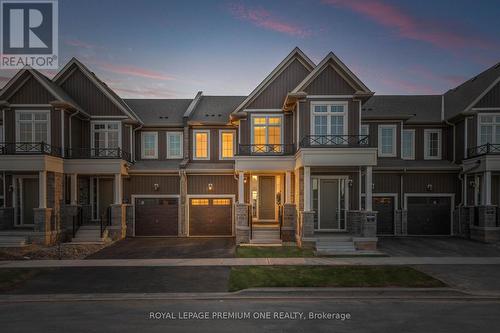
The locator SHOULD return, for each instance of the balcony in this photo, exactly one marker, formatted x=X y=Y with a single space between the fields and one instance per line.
x=335 y=141
x=266 y=150
x=486 y=149
x=98 y=153
x=29 y=148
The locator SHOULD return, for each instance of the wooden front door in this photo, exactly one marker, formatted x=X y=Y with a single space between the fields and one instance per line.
x=267 y=200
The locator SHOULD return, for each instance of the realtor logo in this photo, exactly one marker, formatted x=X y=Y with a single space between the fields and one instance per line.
x=29 y=34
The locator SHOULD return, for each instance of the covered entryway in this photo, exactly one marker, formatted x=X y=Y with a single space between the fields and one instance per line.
x=266 y=195
x=25 y=199
x=329 y=201
x=429 y=215
x=156 y=216
x=384 y=206
x=210 y=216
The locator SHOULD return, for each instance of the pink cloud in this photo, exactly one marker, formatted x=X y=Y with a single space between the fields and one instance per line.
x=431 y=76
x=265 y=19
x=134 y=71
x=407 y=87
x=410 y=27
x=147 y=92
x=81 y=44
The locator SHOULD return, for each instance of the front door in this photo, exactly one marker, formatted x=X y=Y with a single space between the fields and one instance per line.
x=26 y=198
x=329 y=203
x=267 y=204
x=105 y=196
x=384 y=206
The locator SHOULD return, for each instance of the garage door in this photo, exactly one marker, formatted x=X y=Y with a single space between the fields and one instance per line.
x=429 y=215
x=210 y=217
x=156 y=216
x=384 y=206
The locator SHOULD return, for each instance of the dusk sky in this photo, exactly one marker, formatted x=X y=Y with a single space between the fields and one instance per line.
x=172 y=49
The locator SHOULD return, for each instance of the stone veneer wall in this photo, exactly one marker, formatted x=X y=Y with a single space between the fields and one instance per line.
x=55 y=197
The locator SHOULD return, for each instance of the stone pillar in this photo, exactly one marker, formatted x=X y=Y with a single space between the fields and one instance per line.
x=486 y=229
x=74 y=189
x=241 y=187
x=118 y=194
x=304 y=235
x=118 y=224
x=242 y=231
x=307 y=189
x=288 y=187
x=183 y=222
x=6 y=218
x=404 y=222
x=129 y=220
x=42 y=189
x=69 y=212
x=486 y=198
x=42 y=218
x=289 y=223
x=368 y=188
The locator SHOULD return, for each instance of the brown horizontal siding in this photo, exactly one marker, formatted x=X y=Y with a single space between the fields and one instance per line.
x=144 y=184
x=491 y=99
x=221 y=184
x=273 y=96
x=32 y=92
x=329 y=82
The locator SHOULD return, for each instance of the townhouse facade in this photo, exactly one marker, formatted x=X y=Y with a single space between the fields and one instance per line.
x=310 y=156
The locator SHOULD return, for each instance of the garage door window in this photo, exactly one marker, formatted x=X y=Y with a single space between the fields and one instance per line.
x=199 y=202
x=221 y=202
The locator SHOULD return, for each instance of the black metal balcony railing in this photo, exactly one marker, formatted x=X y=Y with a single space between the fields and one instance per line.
x=335 y=141
x=270 y=149
x=29 y=148
x=488 y=148
x=98 y=153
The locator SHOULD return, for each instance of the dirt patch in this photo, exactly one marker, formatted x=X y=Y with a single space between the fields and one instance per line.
x=65 y=251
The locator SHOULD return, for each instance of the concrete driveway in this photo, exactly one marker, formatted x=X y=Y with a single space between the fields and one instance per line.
x=163 y=247
x=436 y=247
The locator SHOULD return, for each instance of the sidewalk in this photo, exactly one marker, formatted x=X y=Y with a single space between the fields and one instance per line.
x=366 y=261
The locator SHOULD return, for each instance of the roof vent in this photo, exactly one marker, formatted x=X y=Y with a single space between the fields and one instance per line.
x=207 y=115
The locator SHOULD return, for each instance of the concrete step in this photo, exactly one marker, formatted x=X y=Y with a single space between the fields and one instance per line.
x=12 y=241
x=265 y=241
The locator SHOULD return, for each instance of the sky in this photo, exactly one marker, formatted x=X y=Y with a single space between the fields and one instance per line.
x=172 y=49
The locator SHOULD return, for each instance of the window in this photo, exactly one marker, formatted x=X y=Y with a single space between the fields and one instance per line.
x=226 y=144
x=489 y=129
x=149 y=145
x=201 y=144
x=387 y=140
x=221 y=202
x=174 y=145
x=199 y=202
x=33 y=126
x=329 y=119
x=365 y=129
x=106 y=138
x=408 y=143
x=266 y=134
x=432 y=144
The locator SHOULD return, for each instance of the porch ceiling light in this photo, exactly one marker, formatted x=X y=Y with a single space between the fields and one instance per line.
x=156 y=187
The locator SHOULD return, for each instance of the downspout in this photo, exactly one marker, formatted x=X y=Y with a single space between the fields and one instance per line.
x=133 y=146
x=70 y=136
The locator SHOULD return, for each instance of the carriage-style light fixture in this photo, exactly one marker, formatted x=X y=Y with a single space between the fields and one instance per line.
x=428 y=187
x=156 y=187
x=349 y=182
x=472 y=183
x=210 y=186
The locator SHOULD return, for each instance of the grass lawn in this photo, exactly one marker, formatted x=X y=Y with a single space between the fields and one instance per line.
x=323 y=276
x=10 y=277
x=272 y=252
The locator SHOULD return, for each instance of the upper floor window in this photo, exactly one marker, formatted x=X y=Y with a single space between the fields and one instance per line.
x=33 y=126
x=149 y=145
x=387 y=140
x=106 y=137
x=201 y=145
x=408 y=143
x=226 y=144
x=365 y=130
x=174 y=145
x=267 y=133
x=329 y=118
x=432 y=144
x=489 y=129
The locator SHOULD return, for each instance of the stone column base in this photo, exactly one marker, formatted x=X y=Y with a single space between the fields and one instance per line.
x=68 y=214
x=6 y=218
x=129 y=220
x=485 y=234
x=304 y=235
x=118 y=226
x=365 y=243
x=289 y=223
x=42 y=218
x=242 y=231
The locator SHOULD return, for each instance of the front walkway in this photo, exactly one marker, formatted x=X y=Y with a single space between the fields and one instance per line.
x=362 y=261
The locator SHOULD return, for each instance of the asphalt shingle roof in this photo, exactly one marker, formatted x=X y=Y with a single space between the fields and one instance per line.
x=215 y=109
x=425 y=108
x=159 y=112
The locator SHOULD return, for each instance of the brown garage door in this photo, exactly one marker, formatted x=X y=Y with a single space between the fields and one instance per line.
x=156 y=216
x=210 y=217
x=429 y=215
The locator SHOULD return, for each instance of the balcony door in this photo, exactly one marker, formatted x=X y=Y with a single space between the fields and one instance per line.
x=25 y=199
x=328 y=123
x=267 y=134
x=106 y=139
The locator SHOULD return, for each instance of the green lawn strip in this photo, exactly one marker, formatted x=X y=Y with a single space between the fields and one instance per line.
x=329 y=276
x=272 y=252
x=12 y=277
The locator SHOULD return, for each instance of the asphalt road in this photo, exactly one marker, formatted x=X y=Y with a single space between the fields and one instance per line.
x=365 y=316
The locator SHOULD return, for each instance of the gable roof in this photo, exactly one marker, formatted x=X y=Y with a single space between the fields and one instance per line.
x=160 y=112
x=332 y=58
x=117 y=100
x=215 y=109
x=415 y=108
x=296 y=53
x=463 y=97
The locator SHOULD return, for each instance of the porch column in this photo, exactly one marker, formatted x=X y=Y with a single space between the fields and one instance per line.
x=74 y=189
x=42 y=189
x=118 y=189
x=288 y=187
x=307 y=189
x=486 y=199
x=476 y=190
x=368 y=189
x=241 y=187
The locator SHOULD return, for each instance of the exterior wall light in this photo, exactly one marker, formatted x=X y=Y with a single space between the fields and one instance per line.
x=472 y=183
x=156 y=187
x=349 y=182
x=210 y=186
x=428 y=187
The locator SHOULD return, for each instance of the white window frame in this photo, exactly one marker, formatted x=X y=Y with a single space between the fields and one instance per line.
x=494 y=125
x=267 y=116
x=143 y=155
x=367 y=126
x=412 y=156
x=92 y=132
x=220 y=144
x=328 y=114
x=181 y=140
x=394 y=128
x=49 y=133
x=194 y=145
x=427 y=131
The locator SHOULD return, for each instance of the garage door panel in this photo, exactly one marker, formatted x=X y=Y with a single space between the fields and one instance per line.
x=156 y=216
x=210 y=217
x=429 y=215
